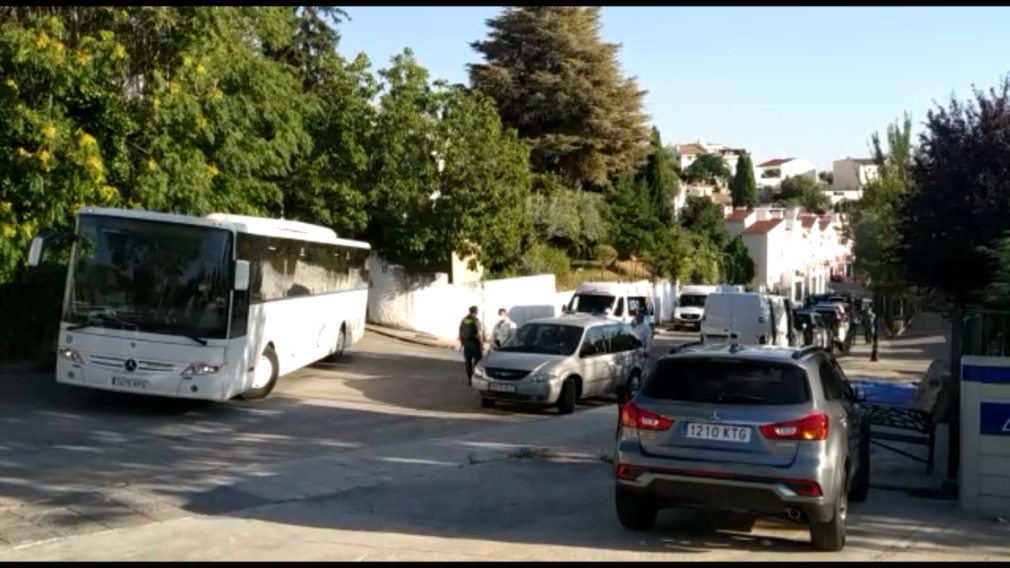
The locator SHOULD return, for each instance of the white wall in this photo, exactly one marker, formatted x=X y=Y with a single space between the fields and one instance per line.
x=427 y=303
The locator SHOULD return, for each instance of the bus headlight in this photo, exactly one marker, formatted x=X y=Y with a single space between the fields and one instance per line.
x=70 y=355
x=203 y=369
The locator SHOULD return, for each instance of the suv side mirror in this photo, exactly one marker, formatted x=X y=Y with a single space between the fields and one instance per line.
x=241 y=275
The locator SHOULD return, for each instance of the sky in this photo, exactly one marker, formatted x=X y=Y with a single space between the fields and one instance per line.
x=808 y=83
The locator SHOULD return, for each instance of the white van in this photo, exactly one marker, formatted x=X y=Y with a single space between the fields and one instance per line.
x=748 y=318
x=614 y=299
x=690 y=306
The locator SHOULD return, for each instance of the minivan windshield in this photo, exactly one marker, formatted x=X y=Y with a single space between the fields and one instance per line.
x=691 y=301
x=721 y=381
x=545 y=338
x=150 y=276
x=591 y=303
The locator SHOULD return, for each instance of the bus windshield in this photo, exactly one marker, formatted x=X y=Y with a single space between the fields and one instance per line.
x=150 y=276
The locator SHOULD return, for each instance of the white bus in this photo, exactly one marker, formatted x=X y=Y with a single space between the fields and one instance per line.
x=208 y=308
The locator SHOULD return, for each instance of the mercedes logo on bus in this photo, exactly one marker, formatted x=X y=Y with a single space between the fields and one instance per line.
x=130 y=365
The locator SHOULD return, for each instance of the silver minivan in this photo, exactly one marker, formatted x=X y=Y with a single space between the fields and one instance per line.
x=559 y=361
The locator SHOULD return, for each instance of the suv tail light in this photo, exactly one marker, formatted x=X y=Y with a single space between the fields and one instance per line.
x=813 y=328
x=813 y=427
x=634 y=417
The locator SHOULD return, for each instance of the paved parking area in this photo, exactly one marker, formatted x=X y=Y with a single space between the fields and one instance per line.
x=75 y=461
x=533 y=491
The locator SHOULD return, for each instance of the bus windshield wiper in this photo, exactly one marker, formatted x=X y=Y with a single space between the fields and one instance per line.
x=105 y=318
x=199 y=340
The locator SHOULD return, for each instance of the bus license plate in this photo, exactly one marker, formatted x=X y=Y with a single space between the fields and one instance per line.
x=129 y=383
x=499 y=387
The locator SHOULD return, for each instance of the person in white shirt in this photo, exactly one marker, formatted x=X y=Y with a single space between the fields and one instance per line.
x=503 y=329
x=644 y=331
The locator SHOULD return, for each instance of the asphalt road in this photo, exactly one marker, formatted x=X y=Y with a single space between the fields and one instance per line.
x=60 y=440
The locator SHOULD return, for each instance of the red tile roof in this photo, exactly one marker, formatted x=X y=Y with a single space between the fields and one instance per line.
x=738 y=215
x=807 y=221
x=690 y=149
x=775 y=163
x=825 y=222
x=762 y=227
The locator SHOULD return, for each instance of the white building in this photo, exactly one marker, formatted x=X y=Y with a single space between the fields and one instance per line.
x=686 y=154
x=772 y=172
x=794 y=254
x=850 y=176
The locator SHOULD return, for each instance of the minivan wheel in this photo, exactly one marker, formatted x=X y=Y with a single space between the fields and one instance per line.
x=633 y=511
x=567 y=398
x=830 y=536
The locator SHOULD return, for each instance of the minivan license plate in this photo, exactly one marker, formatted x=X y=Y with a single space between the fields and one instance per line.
x=499 y=387
x=129 y=383
x=717 y=432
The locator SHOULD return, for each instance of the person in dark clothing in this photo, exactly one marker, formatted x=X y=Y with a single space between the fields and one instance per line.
x=471 y=341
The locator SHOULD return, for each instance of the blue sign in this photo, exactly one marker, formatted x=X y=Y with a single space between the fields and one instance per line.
x=994 y=419
x=985 y=374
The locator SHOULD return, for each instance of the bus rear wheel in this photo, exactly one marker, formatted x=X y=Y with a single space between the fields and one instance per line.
x=265 y=376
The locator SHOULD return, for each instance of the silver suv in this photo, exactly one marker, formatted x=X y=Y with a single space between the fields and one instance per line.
x=763 y=430
x=559 y=361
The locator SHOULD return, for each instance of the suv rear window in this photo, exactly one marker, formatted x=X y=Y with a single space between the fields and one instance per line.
x=718 y=381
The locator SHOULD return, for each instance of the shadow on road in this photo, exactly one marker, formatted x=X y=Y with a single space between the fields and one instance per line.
x=569 y=505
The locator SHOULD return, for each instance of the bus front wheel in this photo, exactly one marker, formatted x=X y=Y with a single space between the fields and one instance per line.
x=265 y=376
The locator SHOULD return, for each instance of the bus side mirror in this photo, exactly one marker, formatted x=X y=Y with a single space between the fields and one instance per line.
x=241 y=275
x=35 y=251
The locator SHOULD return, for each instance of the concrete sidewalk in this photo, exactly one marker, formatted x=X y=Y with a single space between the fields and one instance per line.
x=538 y=490
x=415 y=337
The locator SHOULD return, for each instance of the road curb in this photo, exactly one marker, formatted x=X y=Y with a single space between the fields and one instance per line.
x=407 y=337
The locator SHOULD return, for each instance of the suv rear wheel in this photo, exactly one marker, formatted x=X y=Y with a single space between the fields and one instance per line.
x=830 y=536
x=633 y=511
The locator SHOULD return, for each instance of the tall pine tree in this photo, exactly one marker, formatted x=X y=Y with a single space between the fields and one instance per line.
x=561 y=87
x=743 y=186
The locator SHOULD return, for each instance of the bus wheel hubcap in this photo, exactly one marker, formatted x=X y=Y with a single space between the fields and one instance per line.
x=264 y=371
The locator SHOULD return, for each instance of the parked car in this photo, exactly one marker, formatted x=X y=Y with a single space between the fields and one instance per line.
x=560 y=361
x=813 y=329
x=772 y=431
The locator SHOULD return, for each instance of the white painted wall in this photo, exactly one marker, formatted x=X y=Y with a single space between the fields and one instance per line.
x=850 y=175
x=427 y=303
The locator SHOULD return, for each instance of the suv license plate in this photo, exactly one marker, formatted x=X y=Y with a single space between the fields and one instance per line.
x=499 y=387
x=717 y=432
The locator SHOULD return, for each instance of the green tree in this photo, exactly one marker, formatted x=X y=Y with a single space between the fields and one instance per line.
x=804 y=191
x=873 y=219
x=743 y=188
x=326 y=184
x=709 y=169
x=99 y=111
x=661 y=178
x=634 y=225
x=560 y=86
x=444 y=175
x=737 y=262
x=705 y=218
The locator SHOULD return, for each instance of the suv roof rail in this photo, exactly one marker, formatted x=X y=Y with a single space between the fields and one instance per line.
x=809 y=349
x=682 y=347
